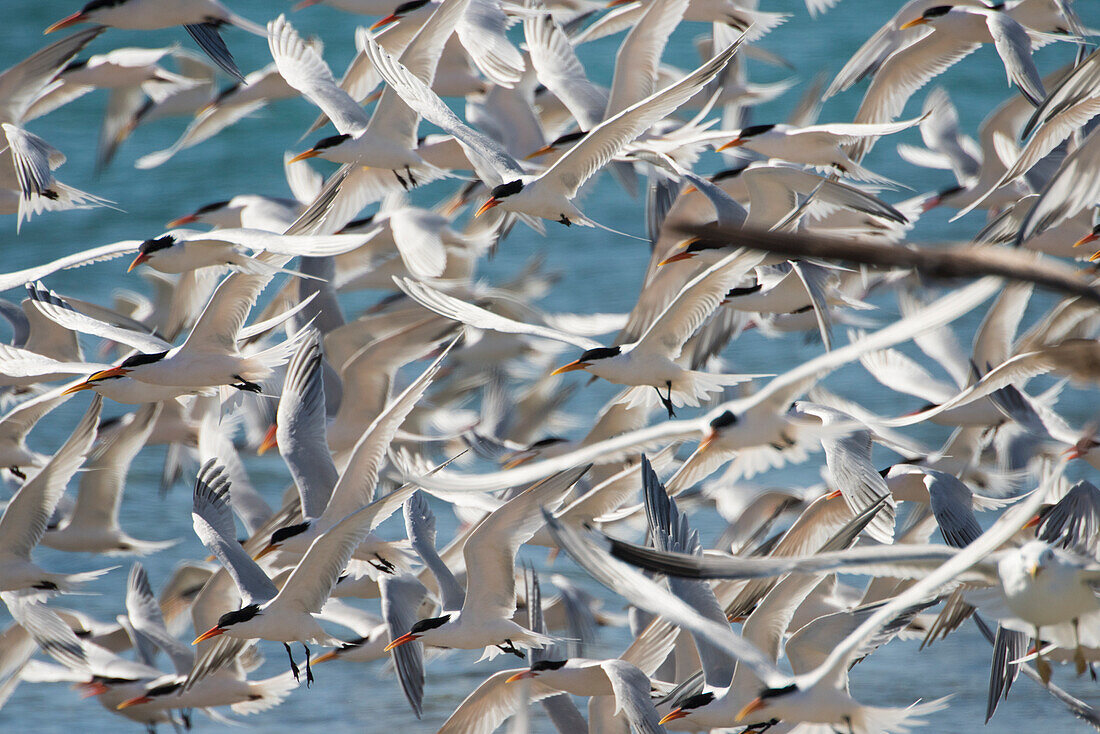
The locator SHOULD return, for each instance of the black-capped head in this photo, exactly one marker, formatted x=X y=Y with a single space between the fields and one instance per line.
x=137 y=360
x=540 y=665
x=101 y=4
x=697 y=701
x=330 y=142
x=769 y=693
x=544 y=442
x=74 y=65
x=590 y=355
x=236 y=617
x=164 y=688
x=725 y=420
x=937 y=11
x=408 y=7
x=753 y=130
x=156 y=244
x=213 y=207
x=429 y=624
x=568 y=138
x=506 y=189
x=281 y=535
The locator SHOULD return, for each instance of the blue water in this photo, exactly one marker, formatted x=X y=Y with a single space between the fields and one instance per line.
x=599 y=272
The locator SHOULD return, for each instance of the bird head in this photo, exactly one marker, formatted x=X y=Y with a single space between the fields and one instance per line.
x=280 y=536
x=320 y=146
x=269 y=441
x=1092 y=236
x=724 y=421
x=557 y=143
x=227 y=620
x=399 y=12
x=765 y=699
x=417 y=631
x=927 y=16
x=587 y=358
x=688 y=706
x=159 y=690
x=149 y=249
x=503 y=191
x=539 y=666
x=135 y=360
x=524 y=455
x=746 y=135
x=200 y=214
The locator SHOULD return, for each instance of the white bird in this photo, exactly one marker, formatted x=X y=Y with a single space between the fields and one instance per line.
x=550 y=194
x=25 y=518
x=200 y=18
x=284 y=615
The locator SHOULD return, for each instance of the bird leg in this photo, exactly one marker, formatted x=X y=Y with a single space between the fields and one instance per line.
x=382 y=564
x=309 y=671
x=409 y=173
x=509 y=647
x=246 y=385
x=18 y=472
x=667 y=401
x=1040 y=662
x=565 y=220
x=404 y=183
x=1079 y=653
x=185 y=715
x=293 y=665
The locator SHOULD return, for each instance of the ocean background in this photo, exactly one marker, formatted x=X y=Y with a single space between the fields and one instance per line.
x=599 y=272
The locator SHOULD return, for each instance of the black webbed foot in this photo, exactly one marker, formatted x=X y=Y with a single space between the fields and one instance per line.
x=293 y=665
x=382 y=564
x=246 y=385
x=565 y=220
x=18 y=472
x=404 y=183
x=309 y=670
x=509 y=647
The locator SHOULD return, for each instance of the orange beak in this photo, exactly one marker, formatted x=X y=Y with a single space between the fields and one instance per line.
x=571 y=367
x=311 y=153
x=676 y=713
x=521 y=676
x=493 y=201
x=1032 y=522
x=113 y=372
x=269 y=441
x=212 y=632
x=1090 y=237
x=77 y=17
x=689 y=189
x=912 y=24
x=735 y=143
x=91 y=688
x=676 y=258
x=331 y=654
x=269 y=548
x=540 y=152
x=402 y=640
x=835 y=494
x=86 y=385
x=181 y=221
x=305 y=4
x=755 y=705
x=616 y=3
x=515 y=461
x=133 y=702
x=142 y=257
x=708 y=440
x=391 y=18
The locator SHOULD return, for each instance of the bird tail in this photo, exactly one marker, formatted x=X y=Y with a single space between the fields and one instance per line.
x=875 y=719
x=254 y=266
x=259 y=366
x=71 y=582
x=265 y=694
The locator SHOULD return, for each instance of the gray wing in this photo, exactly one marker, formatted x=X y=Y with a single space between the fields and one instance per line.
x=27 y=514
x=146 y=618
x=401 y=599
x=631 y=688
x=952 y=504
x=1074 y=522
x=1014 y=46
x=21 y=84
x=301 y=425
x=420 y=528
x=54 y=637
x=670 y=532
x=213 y=522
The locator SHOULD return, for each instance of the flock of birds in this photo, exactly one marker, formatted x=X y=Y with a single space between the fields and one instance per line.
x=397 y=409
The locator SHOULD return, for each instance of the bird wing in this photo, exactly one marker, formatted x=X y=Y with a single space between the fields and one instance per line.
x=486 y=708
x=220 y=322
x=21 y=363
x=649 y=595
x=393 y=118
x=953 y=506
x=18 y=421
x=903 y=374
x=559 y=70
x=694 y=304
x=483 y=32
x=491 y=161
x=490 y=549
x=304 y=69
x=604 y=141
x=1073 y=187
x=310 y=583
x=145 y=617
x=632 y=696
x=467 y=313
x=639 y=55
x=21 y=84
x=213 y=522
x=416 y=232
x=848 y=132
x=26 y=515
x=355 y=487
x=61 y=313
x=420 y=529
x=100 y=493
x=1014 y=46
x=284 y=244
x=301 y=425
x=401 y=600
